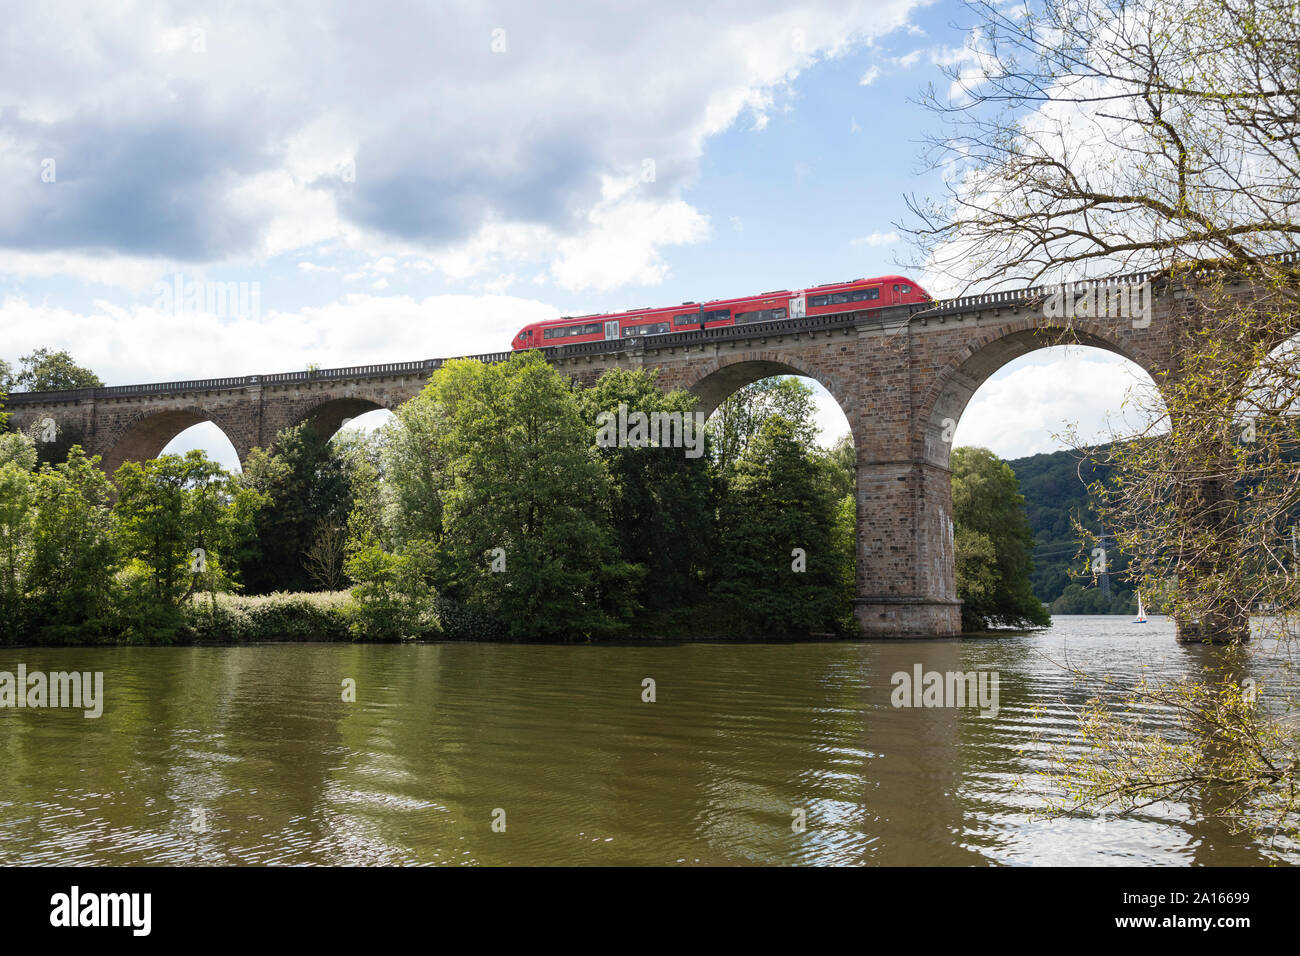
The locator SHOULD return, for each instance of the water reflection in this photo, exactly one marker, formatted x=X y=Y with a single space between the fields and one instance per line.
x=251 y=755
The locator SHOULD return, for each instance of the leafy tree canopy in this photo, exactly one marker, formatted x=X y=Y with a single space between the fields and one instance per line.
x=46 y=371
x=993 y=548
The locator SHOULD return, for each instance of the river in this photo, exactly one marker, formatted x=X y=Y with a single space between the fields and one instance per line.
x=509 y=754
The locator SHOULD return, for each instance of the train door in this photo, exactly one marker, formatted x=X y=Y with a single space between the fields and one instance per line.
x=611 y=329
x=895 y=296
x=798 y=306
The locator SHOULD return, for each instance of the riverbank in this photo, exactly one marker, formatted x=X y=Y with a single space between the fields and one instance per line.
x=328 y=617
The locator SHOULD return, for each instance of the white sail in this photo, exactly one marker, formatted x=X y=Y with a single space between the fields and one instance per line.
x=1142 y=611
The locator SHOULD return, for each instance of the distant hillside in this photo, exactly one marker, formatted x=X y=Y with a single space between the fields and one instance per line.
x=1055 y=490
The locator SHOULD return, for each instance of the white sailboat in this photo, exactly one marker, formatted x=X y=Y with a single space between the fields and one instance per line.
x=1142 y=612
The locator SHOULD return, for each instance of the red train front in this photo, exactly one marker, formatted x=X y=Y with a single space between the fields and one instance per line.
x=857 y=295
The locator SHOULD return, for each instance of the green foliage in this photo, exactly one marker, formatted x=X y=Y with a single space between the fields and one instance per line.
x=841 y=463
x=1077 y=599
x=662 y=502
x=18 y=448
x=845 y=541
x=243 y=619
x=522 y=476
x=413 y=463
x=307 y=484
x=74 y=552
x=779 y=500
x=1057 y=502
x=976 y=560
x=739 y=419
x=17 y=494
x=993 y=546
x=391 y=601
x=365 y=519
x=178 y=520
x=46 y=371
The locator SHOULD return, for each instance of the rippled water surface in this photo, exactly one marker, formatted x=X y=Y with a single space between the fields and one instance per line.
x=249 y=755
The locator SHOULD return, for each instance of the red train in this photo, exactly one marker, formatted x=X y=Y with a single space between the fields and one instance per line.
x=854 y=296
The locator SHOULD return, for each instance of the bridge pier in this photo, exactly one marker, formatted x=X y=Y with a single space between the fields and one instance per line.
x=906 y=582
x=881 y=616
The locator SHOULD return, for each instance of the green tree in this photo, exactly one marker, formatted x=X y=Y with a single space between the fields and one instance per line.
x=845 y=535
x=526 y=529
x=74 y=554
x=413 y=464
x=307 y=483
x=739 y=419
x=663 y=503
x=46 y=371
x=841 y=460
x=365 y=525
x=17 y=494
x=19 y=448
x=391 y=599
x=778 y=503
x=178 y=519
x=992 y=543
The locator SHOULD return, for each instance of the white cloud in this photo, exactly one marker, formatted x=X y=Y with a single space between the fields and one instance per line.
x=877 y=239
x=623 y=244
x=1031 y=404
x=402 y=137
x=141 y=343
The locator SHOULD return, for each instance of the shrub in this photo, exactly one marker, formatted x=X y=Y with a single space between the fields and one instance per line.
x=281 y=616
x=390 y=601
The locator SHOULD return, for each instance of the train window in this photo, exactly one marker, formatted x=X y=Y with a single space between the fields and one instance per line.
x=906 y=289
x=568 y=331
x=839 y=298
x=695 y=318
x=653 y=328
x=760 y=315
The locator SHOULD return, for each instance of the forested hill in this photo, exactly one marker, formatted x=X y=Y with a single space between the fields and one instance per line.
x=1055 y=490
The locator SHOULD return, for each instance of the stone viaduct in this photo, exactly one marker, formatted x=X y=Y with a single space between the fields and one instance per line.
x=902 y=375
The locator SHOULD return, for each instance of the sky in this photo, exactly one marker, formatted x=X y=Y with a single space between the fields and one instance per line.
x=404 y=181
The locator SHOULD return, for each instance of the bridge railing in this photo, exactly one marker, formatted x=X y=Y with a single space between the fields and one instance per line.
x=1038 y=293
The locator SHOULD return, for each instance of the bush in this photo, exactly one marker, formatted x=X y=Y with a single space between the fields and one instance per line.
x=461 y=622
x=239 y=619
x=390 y=602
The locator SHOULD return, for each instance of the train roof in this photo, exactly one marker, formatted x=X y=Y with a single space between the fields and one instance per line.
x=739 y=298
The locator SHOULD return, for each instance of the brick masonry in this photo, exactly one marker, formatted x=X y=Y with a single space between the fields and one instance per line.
x=902 y=381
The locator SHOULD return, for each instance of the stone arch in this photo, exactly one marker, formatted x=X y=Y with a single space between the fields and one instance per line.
x=714 y=381
x=952 y=388
x=147 y=434
x=328 y=417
